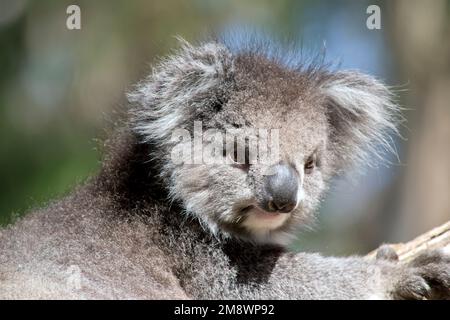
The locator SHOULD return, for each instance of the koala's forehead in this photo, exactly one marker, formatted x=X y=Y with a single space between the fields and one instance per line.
x=273 y=87
x=266 y=77
x=269 y=96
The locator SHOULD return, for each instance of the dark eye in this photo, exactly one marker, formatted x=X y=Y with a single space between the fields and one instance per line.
x=310 y=164
x=217 y=104
x=236 y=158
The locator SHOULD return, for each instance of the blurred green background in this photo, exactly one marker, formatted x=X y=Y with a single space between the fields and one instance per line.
x=60 y=89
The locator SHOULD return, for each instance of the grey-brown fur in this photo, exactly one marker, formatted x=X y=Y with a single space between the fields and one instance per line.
x=148 y=228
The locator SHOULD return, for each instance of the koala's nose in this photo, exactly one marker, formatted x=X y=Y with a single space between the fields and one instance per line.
x=281 y=189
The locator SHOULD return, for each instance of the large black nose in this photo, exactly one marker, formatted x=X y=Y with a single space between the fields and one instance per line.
x=281 y=189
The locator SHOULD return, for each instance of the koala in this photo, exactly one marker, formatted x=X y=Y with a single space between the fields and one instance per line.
x=148 y=226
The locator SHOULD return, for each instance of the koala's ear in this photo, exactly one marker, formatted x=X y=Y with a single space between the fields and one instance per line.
x=362 y=116
x=192 y=80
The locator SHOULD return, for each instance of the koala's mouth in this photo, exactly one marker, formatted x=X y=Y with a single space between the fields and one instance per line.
x=262 y=214
x=257 y=219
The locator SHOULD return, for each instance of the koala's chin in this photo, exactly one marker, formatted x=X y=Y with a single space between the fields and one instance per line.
x=256 y=225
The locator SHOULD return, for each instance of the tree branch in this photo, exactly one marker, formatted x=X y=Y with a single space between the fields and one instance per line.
x=436 y=238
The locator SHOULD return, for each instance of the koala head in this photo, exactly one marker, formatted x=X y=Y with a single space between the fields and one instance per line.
x=320 y=122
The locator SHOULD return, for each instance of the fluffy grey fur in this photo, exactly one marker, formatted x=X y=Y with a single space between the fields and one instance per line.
x=146 y=227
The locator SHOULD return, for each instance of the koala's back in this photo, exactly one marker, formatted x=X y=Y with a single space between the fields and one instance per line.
x=88 y=246
x=117 y=238
x=85 y=247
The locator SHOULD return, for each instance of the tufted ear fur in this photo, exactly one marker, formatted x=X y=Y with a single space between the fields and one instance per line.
x=362 y=115
x=190 y=81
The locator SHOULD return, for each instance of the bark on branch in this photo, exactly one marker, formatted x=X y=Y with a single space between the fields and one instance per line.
x=436 y=238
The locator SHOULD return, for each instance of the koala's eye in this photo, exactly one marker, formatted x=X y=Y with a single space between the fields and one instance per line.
x=239 y=160
x=310 y=164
